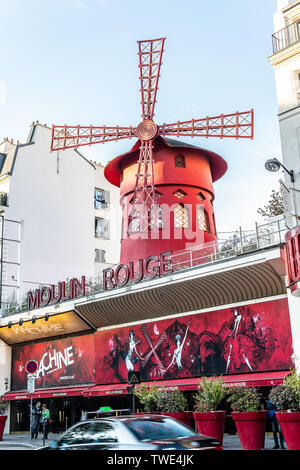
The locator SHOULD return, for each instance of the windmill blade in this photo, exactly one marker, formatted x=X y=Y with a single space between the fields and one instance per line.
x=65 y=137
x=237 y=125
x=150 y=55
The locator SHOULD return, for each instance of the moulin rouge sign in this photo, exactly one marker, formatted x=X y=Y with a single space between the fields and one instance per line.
x=153 y=266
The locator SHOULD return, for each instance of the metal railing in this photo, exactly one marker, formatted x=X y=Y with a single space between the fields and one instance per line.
x=286 y=37
x=236 y=244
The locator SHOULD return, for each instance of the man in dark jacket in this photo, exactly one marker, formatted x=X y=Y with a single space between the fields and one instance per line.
x=275 y=425
x=35 y=420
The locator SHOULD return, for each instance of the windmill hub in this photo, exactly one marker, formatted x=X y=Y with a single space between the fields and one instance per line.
x=146 y=130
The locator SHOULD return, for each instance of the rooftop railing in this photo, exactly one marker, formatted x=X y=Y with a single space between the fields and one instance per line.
x=233 y=245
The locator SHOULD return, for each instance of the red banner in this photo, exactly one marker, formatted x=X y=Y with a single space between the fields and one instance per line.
x=64 y=362
x=245 y=339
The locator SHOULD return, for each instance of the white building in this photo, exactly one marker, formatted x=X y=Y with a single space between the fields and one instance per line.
x=286 y=63
x=68 y=213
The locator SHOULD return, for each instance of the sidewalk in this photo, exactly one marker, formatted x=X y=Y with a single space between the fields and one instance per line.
x=23 y=442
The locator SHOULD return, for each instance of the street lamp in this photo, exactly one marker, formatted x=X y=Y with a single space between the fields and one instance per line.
x=274 y=165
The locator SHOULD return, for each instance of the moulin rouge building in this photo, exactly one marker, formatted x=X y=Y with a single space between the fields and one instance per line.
x=181 y=304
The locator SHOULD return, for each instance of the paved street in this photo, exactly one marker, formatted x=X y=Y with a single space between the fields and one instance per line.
x=23 y=442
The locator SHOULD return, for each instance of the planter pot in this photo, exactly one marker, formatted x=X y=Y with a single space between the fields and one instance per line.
x=2 y=424
x=185 y=417
x=251 y=428
x=211 y=424
x=290 y=427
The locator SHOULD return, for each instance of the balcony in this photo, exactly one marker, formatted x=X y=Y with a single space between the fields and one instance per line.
x=286 y=37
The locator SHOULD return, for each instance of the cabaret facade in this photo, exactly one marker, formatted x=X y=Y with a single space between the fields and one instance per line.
x=228 y=316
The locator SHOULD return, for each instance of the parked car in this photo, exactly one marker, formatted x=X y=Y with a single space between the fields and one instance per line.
x=131 y=432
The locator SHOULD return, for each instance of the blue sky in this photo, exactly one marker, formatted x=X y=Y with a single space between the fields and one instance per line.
x=75 y=62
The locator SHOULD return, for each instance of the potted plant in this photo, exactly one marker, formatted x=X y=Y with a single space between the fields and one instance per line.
x=249 y=418
x=3 y=418
x=174 y=404
x=147 y=397
x=286 y=398
x=209 y=420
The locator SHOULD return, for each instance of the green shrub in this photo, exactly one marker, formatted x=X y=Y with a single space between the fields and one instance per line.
x=284 y=398
x=210 y=395
x=245 y=399
x=171 y=401
x=147 y=397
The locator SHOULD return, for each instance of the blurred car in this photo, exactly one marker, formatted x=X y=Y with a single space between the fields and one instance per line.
x=131 y=432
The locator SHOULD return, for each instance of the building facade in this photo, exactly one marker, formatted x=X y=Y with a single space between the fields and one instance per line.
x=286 y=64
x=59 y=200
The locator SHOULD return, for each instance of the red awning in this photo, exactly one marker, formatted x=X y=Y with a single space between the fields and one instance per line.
x=102 y=390
x=49 y=393
x=254 y=379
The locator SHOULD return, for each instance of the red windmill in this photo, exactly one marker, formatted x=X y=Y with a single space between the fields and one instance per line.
x=139 y=179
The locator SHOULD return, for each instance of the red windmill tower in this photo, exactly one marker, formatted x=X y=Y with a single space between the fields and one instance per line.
x=162 y=182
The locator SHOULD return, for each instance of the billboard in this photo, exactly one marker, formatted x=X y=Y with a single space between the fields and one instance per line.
x=244 y=339
x=57 y=325
x=61 y=362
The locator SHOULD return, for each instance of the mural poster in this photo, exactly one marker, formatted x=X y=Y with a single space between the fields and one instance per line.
x=244 y=339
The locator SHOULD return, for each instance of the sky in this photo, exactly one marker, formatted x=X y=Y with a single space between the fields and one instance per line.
x=76 y=62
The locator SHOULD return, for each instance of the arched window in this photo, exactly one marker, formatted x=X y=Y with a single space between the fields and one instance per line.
x=203 y=219
x=156 y=217
x=134 y=221
x=179 y=161
x=181 y=216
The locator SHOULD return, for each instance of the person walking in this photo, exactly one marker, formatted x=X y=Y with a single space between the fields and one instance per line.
x=275 y=426
x=45 y=419
x=35 y=420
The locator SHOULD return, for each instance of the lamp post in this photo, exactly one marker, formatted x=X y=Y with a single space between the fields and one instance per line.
x=274 y=165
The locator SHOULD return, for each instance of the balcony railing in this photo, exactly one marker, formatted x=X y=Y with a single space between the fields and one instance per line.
x=237 y=243
x=286 y=37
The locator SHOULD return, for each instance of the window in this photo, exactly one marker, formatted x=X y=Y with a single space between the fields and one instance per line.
x=99 y=256
x=158 y=215
x=134 y=221
x=181 y=217
x=101 y=228
x=79 y=434
x=203 y=219
x=179 y=193
x=104 y=432
x=101 y=198
x=200 y=196
x=179 y=161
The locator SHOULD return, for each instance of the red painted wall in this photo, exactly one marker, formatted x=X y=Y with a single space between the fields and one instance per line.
x=195 y=177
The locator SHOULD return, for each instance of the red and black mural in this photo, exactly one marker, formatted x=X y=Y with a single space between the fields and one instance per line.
x=64 y=362
x=242 y=339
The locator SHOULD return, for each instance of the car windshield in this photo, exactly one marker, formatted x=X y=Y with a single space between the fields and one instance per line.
x=153 y=429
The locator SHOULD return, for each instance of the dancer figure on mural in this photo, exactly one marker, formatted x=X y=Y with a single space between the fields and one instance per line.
x=129 y=359
x=178 y=351
x=236 y=343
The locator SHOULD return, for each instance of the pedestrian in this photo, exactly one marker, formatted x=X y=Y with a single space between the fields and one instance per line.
x=275 y=426
x=36 y=413
x=45 y=420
